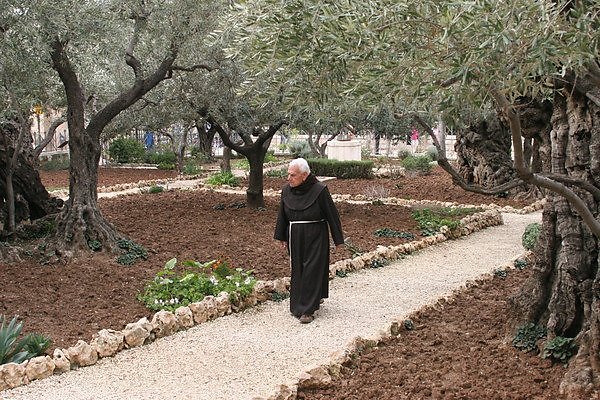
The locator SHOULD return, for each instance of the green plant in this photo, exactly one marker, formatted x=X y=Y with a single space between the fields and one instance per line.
x=270 y=157
x=431 y=220
x=279 y=296
x=166 y=166
x=530 y=235
x=36 y=343
x=560 y=349
x=37 y=229
x=133 y=252
x=191 y=168
x=354 y=250
x=432 y=152
x=223 y=178
x=417 y=164
x=387 y=232
x=527 y=336
x=340 y=273
x=408 y=324
x=277 y=173
x=155 y=189
x=520 y=264
x=379 y=263
x=55 y=164
x=172 y=288
x=500 y=273
x=341 y=169
x=299 y=149
x=160 y=157
x=242 y=164
x=94 y=245
x=14 y=350
x=125 y=150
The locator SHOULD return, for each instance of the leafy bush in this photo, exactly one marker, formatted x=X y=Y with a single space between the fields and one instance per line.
x=155 y=189
x=277 y=173
x=55 y=164
x=133 y=252
x=417 y=164
x=125 y=150
x=270 y=157
x=531 y=235
x=527 y=336
x=166 y=166
x=387 y=232
x=404 y=153
x=160 y=157
x=430 y=221
x=560 y=349
x=14 y=350
x=299 y=148
x=171 y=289
x=432 y=153
x=341 y=169
x=191 y=168
x=223 y=178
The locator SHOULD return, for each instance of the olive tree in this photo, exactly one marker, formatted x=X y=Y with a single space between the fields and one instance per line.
x=441 y=56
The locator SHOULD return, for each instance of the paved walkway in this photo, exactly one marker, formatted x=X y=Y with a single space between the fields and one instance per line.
x=249 y=354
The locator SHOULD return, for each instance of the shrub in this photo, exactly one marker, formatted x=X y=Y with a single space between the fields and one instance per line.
x=527 y=336
x=430 y=221
x=299 y=148
x=155 y=189
x=432 y=152
x=277 y=173
x=417 y=164
x=560 y=349
x=404 y=153
x=223 y=178
x=166 y=166
x=171 y=289
x=191 y=168
x=160 y=157
x=531 y=235
x=14 y=350
x=341 y=169
x=125 y=150
x=55 y=164
x=133 y=252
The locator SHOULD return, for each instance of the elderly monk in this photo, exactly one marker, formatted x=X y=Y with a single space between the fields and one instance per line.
x=306 y=215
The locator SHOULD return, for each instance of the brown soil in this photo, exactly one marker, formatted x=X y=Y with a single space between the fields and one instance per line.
x=451 y=355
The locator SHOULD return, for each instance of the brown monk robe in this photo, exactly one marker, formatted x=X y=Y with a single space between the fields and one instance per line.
x=305 y=213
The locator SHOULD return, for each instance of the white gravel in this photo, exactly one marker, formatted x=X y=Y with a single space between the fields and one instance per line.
x=244 y=355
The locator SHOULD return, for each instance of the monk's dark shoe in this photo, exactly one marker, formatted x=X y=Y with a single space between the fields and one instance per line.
x=306 y=319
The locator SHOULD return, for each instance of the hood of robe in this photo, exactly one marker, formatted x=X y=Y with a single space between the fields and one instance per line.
x=304 y=195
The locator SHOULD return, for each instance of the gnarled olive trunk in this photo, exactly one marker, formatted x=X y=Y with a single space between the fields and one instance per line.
x=564 y=292
x=254 y=193
x=483 y=153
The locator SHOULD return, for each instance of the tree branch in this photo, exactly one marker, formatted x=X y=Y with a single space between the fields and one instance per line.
x=525 y=173
x=193 y=68
x=49 y=136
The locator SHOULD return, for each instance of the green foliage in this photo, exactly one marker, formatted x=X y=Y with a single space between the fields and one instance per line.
x=155 y=189
x=430 y=221
x=527 y=336
x=133 y=252
x=14 y=350
x=36 y=343
x=37 y=229
x=279 y=296
x=379 y=263
x=191 y=168
x=560 y=349
x=157 y=157
x=531 y=235
x=223 y=178
x=126 y=150
x=417 y=164
x=299 y=148
x=94 y=245
x=174 y=287
x=166 y=166
x=388 y=232
x=270 y=157
x=404 y=153
x=341 y=169
x=277 y=173
x=352 y=248
x=341 y=273
x=242 y=164
x=432 y=153
x=408 y=324
x=520 y=264
x=500 y=273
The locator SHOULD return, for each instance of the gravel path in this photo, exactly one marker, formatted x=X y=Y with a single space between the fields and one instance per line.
x=249 y=354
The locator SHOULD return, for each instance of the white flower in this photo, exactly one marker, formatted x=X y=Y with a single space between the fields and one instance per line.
x=214 y=280
x=247 y=281
x=237 y=284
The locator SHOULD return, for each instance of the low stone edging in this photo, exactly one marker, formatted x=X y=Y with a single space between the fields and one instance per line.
x=320 y=376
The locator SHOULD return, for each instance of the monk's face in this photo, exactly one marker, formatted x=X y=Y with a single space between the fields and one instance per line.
x=295 y=177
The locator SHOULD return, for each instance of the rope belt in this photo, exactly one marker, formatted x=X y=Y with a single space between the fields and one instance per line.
x=290 y=233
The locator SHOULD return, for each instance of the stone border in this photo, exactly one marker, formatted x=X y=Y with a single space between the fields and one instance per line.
x=108 y=342
x=319 y=376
